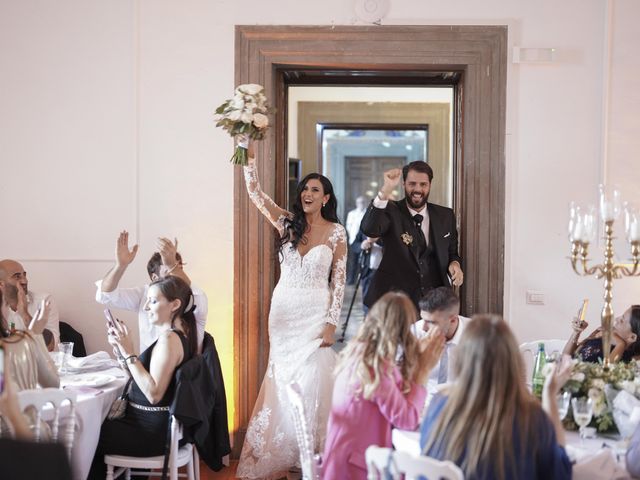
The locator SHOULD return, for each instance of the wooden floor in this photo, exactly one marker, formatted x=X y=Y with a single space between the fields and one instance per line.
x=226 y=473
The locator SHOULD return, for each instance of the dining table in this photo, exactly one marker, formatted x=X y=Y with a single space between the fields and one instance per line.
x=95 y=391
x=594 y=458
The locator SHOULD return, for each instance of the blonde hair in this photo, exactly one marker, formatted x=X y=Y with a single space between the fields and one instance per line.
x=373 y=351
x=488 y=398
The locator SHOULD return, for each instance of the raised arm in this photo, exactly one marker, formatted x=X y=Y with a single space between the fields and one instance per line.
x=578 y=327
x=265 y=204
x=124 y=257
x=375 y=222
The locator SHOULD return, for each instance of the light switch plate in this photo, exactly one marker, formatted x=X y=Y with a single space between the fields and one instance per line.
x=535 y=297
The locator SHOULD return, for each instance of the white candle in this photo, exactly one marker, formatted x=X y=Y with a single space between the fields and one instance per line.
x=578 y=229
x=607 y=211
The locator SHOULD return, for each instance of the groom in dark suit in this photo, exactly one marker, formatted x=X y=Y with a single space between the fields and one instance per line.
x=420 y=239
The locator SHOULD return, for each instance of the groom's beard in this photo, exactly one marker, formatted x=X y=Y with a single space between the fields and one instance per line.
x=416 y=203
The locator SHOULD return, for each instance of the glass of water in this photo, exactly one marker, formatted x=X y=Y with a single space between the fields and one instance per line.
x=66 y=348
x=563 y=400
x=582 y=413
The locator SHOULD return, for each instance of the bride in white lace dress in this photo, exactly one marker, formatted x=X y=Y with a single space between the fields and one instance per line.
x=305 y=310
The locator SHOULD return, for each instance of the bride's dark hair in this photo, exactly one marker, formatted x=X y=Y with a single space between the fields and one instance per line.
x=295 y=227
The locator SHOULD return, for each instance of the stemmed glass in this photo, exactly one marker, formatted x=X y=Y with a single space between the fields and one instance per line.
x=563 y=400
x=582 y=413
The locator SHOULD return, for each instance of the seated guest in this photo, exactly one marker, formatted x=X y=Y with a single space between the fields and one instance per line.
x=440 y=309
x=372 y=393
x=17 y=454
x=624 y=339
x=24 y=303
x=487 y=422
x=166 y=262
x=26 y=352
x=143 y=430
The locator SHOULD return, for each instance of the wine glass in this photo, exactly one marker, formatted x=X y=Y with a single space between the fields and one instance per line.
x=563 y=400
x=582 y=413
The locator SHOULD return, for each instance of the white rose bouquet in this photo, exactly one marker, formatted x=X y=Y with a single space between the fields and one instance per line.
x=244 y=115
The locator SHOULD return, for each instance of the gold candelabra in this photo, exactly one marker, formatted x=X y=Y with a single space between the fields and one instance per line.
x=582 y=230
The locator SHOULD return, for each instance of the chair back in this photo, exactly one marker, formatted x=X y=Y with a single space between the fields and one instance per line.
x=303 y=433
x=387 y=463
x=39 y=400
x=530 y=349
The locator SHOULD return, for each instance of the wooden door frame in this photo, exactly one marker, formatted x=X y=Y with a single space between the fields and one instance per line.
x=262 y=53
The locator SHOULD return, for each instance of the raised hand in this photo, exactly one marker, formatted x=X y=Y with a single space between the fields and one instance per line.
x=577 y=325
x=559 y=376
x=168 y=251
x=124 y=256
x=39 y=320
x=391 y=181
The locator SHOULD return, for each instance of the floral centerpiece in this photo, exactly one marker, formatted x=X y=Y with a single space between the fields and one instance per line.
x=602 y=385
x=244 y=115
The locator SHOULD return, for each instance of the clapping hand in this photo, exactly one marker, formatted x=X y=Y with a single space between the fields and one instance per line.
x=124 y=256
x=22 y=305
x=39 y=320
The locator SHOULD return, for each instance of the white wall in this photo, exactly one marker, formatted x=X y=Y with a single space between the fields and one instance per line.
x=106 y=124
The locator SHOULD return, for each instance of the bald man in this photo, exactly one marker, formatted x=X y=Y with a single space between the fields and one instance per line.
x=22 y=303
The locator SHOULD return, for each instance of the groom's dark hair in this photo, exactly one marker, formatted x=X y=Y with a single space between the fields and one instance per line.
x=420 y=167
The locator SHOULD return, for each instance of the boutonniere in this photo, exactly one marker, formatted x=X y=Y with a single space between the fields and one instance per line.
x=407 y=239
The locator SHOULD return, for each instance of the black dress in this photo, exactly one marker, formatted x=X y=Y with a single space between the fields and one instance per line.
x=139 y=433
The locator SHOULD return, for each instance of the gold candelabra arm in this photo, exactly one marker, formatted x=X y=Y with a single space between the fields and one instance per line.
x=580 y=260
x=635 y=254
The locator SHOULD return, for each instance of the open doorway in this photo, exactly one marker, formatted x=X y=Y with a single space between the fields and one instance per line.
x=277 y=56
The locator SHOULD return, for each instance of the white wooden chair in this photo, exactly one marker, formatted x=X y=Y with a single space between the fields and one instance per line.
x=48 y=404
x=530 y=349
x=178 y=457
x=308 y=460
x=403 y=465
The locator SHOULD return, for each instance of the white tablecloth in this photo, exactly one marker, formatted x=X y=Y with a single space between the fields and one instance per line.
x=91 y=410
x=409 y=441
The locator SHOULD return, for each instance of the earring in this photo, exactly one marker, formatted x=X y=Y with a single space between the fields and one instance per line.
x=324 y=205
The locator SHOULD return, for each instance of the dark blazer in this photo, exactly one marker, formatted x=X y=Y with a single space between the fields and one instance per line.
x=401 y=268
x=200 y=403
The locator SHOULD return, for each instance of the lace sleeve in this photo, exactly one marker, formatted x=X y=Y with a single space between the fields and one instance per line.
x=267 y=207
x=338 y=241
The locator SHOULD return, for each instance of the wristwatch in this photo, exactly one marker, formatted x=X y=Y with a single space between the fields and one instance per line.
x=131 y=359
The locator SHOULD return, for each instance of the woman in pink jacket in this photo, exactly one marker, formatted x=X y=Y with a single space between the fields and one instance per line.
x=373 y=392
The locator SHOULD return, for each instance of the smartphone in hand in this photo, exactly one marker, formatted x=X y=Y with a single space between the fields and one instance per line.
x=583 y=311
x=110 y=320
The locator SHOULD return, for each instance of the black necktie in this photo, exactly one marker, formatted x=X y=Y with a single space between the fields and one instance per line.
x=422 y=243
